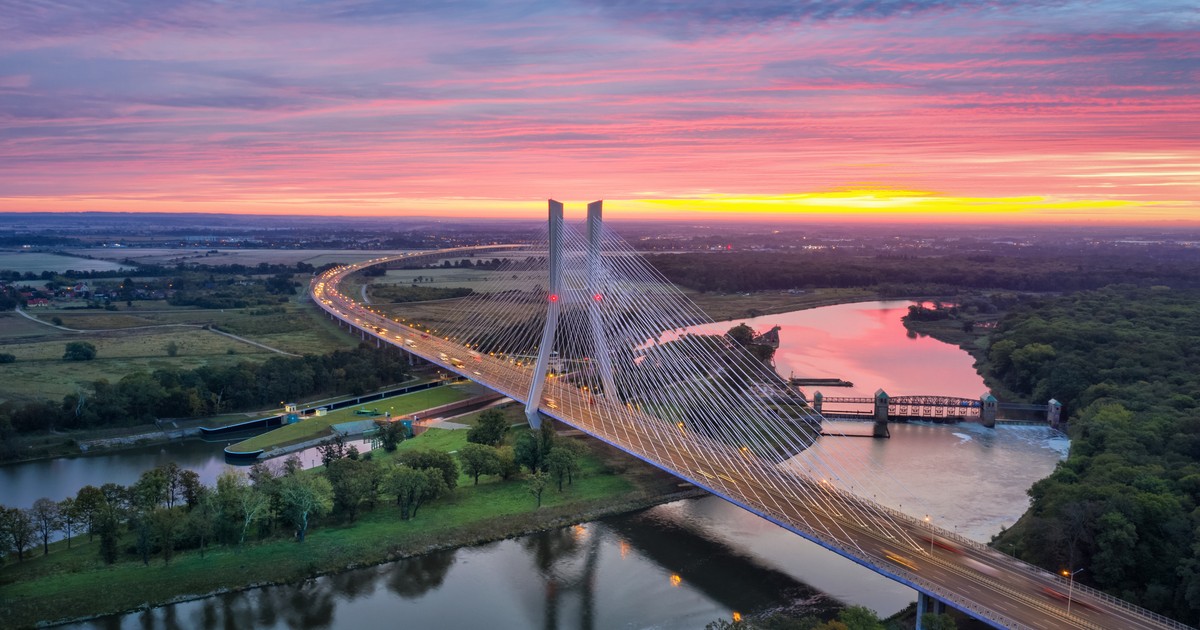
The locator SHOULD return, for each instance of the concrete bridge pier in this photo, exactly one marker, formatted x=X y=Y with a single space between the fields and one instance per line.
x=1054 y=413
x=818 y=398
x=928 y=604
x=988 y=406
x=881 y=415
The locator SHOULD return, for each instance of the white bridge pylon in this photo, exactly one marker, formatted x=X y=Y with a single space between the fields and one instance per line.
x=624 y=355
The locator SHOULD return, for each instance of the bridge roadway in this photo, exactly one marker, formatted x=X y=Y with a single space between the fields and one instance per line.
x=966 y=575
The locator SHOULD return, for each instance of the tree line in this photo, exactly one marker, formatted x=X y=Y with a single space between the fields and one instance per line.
x=1125 y=505
x=913 y=275
x=169 y=509
x=142 y=396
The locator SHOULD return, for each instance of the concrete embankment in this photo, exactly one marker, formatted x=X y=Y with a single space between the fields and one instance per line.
x=124 y=441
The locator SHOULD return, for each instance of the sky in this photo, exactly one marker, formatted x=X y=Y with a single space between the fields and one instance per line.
x=975 y=111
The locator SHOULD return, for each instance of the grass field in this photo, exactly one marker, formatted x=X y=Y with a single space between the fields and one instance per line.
x=72 y=583
x=37 y=262
x=40 y=373
x=476 y=280
x=318 y=426
x=13 y=326
x=732 y=306
x=248 y=257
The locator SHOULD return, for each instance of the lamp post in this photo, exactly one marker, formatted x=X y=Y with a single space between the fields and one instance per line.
x=1070 y=575
x=927 y=521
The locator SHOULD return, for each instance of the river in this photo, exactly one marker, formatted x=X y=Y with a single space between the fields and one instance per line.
x=678 y=565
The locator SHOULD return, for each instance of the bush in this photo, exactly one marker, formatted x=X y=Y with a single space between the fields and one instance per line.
x=79 y=351
x=7 y=358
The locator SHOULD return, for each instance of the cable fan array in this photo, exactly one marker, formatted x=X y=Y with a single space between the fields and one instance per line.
x=635 y=363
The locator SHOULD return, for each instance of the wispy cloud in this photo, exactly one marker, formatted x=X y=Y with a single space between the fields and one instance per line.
x=371 y=106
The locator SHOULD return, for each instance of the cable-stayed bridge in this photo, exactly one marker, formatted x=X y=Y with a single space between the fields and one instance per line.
x=581 y=329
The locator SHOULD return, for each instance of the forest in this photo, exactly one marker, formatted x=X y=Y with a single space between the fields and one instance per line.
x=1123 y=506
x=932 y=274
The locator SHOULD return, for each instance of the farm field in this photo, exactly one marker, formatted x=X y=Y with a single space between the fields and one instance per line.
x=140 y=341
x=476 y=280
x=248 y=257
x=39 y=371
x=37 y=262
x=13 y=326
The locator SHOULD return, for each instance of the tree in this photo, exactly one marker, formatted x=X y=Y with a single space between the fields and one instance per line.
x=150 y=490
x=304 y=497
x=479 y=459
x=68 y=518
x=533 y=446
x=172 y=348
x=934 y=621
x=108 y=527
x=859 y=618
x=166 y=526
x=174 y=477
x=507 y=462
x=489 y=428
x=203 y=518
x=45 y=520
x=352 y=484
x=562 y=462
x=6 y=540
x=19 y=526
x=414 y=487
x=426 y=458
x=191 y=488
x=391 y=434
x=335 y=449
x=741 y=334
x=536 y=485
x=79 y=351
x=263 y=479
x=240 y=505
x=292 y=465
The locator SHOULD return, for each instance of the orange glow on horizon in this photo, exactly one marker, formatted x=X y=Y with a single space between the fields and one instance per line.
x=848 y=204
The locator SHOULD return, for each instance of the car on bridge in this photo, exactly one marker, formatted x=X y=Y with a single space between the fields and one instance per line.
x=900 y=560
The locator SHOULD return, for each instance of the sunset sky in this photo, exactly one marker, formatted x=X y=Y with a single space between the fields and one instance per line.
x=956 y=110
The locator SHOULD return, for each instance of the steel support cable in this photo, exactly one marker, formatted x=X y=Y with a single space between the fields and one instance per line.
x=731 y=464
x=649 y=274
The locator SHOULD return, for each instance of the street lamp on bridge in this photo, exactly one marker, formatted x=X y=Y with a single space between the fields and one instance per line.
x=1070 y=575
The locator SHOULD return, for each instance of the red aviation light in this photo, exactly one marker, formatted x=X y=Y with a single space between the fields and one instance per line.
x=598 y=297
x=553 y=297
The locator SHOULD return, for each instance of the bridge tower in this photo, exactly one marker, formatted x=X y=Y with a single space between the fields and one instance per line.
x=988 y=406
x=553 y=307
x=596 y=289
x=1054 y=413
x=881 y=415
x=818 y=400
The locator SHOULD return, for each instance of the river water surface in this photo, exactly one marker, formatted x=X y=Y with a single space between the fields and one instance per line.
x=678 y=565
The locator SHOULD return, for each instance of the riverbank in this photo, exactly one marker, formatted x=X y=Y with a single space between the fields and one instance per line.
x=974 y=342
x=69 y=585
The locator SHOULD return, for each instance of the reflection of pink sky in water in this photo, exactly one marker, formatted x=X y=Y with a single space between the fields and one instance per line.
x=867 y=344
